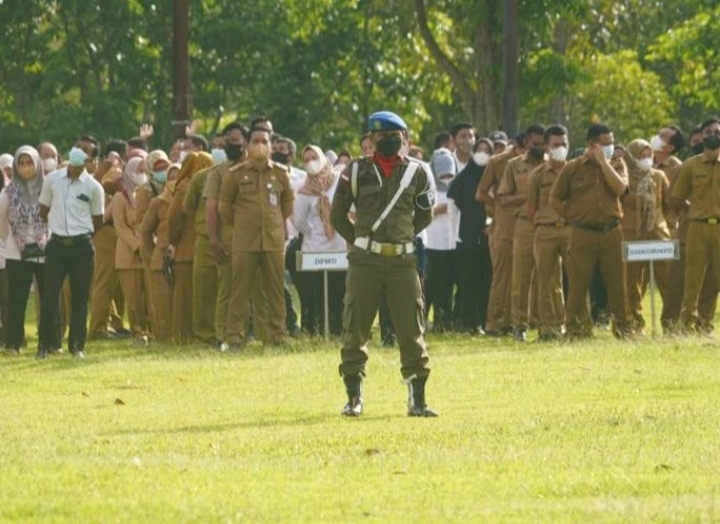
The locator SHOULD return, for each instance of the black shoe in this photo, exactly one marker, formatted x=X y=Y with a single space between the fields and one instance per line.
x=42 y=354
x=519 y=335
x=353 y=387
x=416 y=398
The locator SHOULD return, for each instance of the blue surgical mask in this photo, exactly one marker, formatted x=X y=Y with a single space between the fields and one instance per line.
x=77 y=157
x=609 y=150
x=160 y=177
x=219 y=156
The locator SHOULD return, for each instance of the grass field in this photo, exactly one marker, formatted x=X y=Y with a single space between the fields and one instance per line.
x=595 y=432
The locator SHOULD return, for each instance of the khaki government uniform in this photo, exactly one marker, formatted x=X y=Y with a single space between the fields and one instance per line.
x=391 y=272
x=106 y=296
x=672 y=302
x=181 y=231
x=592 y=207
x=143 y=196
x=501 y=232
x=155 y=224
x=551 y=248
x=129 y=265
x=515 y=183
x=256 y=200
x=638 y=273
x=698 y=182
x=204 y=290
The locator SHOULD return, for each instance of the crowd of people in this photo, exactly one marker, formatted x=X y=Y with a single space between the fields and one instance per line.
x=199 y=244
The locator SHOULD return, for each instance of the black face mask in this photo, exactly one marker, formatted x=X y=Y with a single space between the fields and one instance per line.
x=712 y=142
x=536 y=152
x=234 y=152
x=389 y=145
x=280 y=158
x=698 y=148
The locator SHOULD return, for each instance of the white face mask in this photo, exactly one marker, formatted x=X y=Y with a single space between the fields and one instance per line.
x=49 y=165
x=645 y=164
x=219 y=155
x=481 y=158
x=609 y=150
x=314 y=167
x=182 y=156
x=657 y=143
x=139 y=179
x=559 y=154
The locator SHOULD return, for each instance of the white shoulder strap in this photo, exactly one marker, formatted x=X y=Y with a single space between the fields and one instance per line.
x=354 y=180
x=404 y=184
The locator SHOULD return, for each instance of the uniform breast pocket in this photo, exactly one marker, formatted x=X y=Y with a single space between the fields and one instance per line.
x=581 y=184
x=368 y=195
x=248 y=186
x=700 y=181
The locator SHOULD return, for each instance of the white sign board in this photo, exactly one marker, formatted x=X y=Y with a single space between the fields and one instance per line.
x=322 y=261
x=647 y=250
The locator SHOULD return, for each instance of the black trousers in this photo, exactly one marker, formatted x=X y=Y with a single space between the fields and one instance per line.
x=439 y=284
x=71 y=258
x=313 y=301
x=474 y=275
x=20 y=277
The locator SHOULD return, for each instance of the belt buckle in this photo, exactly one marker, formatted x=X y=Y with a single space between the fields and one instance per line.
x=712 y=221
x=388 y=250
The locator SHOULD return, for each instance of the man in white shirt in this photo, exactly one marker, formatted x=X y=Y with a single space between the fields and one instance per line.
x=72 y=202
x=463 y=135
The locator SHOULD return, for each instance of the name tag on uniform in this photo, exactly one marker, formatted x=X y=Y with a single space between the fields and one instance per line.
x=273 y=195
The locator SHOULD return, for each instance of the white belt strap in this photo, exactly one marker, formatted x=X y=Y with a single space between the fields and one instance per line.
x=404 y=184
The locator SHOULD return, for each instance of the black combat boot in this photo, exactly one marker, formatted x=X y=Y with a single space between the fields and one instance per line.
x=353 y=386
x=416 y=398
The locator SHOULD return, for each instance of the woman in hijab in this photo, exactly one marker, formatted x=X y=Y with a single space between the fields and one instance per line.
x=312 y=216
x=128 y=263
x=182 y=237
x=25 y=235
x=644 y=208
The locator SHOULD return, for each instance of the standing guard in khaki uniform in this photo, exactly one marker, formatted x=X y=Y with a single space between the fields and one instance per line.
x=502 y=229
x=644 y=208
x=256 y=198
x=698 y=183
x=393 y=203
x=587 y=195
x=512 y=194
x=552 y=236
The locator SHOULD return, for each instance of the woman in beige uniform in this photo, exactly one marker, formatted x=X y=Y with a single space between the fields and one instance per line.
x=128 y=263
x=182 y=237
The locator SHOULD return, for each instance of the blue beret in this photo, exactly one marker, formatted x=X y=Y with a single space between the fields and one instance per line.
x=386 y=121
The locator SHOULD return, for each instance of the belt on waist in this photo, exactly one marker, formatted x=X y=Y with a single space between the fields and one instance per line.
x=712 y=221
x=386 y=250
x=559 y=223
x=598 y=228
x=69 y=241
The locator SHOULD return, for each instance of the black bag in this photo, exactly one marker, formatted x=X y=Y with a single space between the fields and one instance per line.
x=32 y=251
x=168 y=269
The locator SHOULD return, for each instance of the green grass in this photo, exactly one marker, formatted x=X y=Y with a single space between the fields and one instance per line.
x=595 y=432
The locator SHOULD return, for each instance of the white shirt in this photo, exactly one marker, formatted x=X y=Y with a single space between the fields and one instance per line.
x=440 y=232
x=460 y=164
x=72 y=203
x=310 y=224
x=297 y=180
x=9 y=249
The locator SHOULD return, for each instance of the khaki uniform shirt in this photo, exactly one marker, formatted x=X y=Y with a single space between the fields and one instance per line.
x=630 y=212
x=155 y=225
x=503 y=226
x=698 y=182
x=515 y=182
x=257 y=199
x=127 y=252
x=195 y=203
x=588 y=198
x=540 y=185
x=181 y=226
x=374 y=192
x=676 y=216
x=213 y=183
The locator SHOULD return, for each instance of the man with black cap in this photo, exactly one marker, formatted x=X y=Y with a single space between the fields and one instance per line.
x=393 y=200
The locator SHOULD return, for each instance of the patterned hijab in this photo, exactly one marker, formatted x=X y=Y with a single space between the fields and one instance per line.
x=320 y=183
x=646 y=192
x=24 y=200
x=192 y=164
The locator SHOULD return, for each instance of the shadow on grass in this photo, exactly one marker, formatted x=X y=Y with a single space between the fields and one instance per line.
x=314 y=420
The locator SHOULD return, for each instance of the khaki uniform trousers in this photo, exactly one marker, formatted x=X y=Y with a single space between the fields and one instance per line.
x=182 y=307
x=588 y=249
x=369 y=277
x=161 y=293
x=106 y=297
x=523 y=267
x=552 y=244
x=205 y=290
x=701 y=263
x=134 y=285
x=638 y=279
x=260 y=276
x=499 y=315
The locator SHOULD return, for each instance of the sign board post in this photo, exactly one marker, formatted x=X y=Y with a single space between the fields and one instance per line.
x=325 y=262
x=651 y=251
